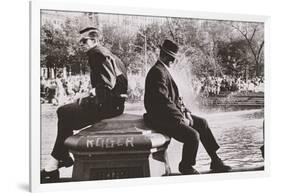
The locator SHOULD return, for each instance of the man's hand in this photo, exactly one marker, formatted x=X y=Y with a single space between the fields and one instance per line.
x=84 y=98
x=187 y=121
x=92 y=92
x=188 y=117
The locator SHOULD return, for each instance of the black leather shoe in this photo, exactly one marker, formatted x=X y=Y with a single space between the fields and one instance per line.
x=218 y=166
x=49 y=177
x=188 y=170
x=66 y=162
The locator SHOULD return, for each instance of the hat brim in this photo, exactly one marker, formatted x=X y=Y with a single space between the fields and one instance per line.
x=88 y=29
x=173 y=54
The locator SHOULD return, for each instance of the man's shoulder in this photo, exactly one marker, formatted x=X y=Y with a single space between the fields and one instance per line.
x=157 y=72
x=100 y=50
x=158 y=68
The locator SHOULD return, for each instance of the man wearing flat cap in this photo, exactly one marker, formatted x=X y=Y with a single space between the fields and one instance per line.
x=109 y=83
x=166 y=113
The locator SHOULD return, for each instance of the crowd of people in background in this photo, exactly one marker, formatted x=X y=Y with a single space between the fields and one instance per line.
x=62 y=90
x=212 y=86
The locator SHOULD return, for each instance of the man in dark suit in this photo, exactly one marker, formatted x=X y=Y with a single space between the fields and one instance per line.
x=167 y=114
x=109 y=83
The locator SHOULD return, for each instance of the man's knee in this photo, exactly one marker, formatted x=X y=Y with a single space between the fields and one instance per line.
x=190 y=134
x=61 y=111
x=66 y=110
x=66 y=120
x=194 y=135
x=200 y=123
x=204 y=123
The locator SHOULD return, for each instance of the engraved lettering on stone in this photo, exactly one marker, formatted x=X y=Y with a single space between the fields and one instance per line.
x=100 y=142
x=129 y=141
x=90 y=143
x=119 y=142
x=109 y=143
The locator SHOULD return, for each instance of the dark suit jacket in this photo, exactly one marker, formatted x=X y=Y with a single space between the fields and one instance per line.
x=104 y=79
x=161 y=99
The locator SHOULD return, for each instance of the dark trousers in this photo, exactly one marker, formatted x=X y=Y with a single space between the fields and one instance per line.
x=190 y=137
x=74 y=117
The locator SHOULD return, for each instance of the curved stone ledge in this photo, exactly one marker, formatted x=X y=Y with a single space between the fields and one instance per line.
x=120 y=147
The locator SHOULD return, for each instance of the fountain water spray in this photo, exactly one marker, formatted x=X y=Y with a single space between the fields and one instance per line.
x=183 y=78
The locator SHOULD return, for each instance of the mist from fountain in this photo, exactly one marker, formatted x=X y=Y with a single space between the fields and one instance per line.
x=183 y=76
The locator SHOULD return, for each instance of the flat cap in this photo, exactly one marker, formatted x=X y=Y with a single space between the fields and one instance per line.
x=92 y=32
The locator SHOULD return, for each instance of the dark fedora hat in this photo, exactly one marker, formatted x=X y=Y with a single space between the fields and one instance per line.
x=170 y=48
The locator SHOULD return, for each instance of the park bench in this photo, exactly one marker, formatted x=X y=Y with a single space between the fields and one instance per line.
x=120 y=147
x=250 y=100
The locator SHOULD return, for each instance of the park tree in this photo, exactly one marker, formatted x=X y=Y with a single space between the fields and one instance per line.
x=207 y=47
x=77 y=59
x=119 y=41
x=253 y=34
x=147 y=41
x=53 y=47
x=236 y=58
x=198 y=44
x=60 y=44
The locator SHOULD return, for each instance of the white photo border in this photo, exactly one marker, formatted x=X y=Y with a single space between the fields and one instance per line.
x=35 y=143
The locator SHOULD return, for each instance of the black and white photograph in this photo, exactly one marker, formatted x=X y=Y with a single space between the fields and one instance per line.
x=135 y=96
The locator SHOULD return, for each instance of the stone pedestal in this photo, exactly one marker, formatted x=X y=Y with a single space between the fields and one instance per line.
x=121 y=147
